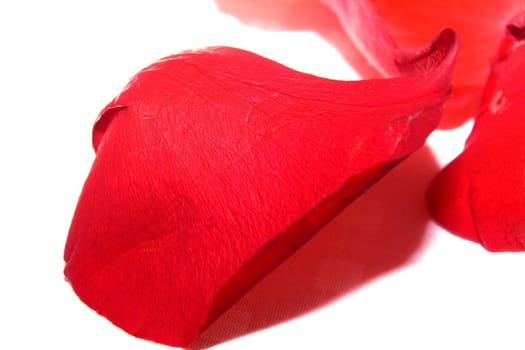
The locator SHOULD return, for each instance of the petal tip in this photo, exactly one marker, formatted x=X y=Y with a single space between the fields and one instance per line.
x=441 y=50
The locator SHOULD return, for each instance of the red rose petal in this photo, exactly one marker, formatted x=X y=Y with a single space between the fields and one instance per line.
x=213 y=166
x=369 y=33
x=376 y=26
x=481 y=194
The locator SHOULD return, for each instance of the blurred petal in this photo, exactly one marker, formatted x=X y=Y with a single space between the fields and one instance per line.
x=481 y=195
x=373 y=23
x=213 y=166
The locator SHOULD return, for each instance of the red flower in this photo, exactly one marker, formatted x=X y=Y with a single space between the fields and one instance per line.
x=481 y=194
x=213 y=166
x=378 y=26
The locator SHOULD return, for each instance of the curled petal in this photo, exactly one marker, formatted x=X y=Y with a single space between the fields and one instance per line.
x=379 y=26
x=213 y=166
x=481 y=195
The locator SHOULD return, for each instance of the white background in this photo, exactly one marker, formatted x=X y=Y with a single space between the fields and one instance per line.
x=62 y=61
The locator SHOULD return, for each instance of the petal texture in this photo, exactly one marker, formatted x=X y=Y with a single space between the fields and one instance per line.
x=481 y=194
x=213 y=166
x=378 y=26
